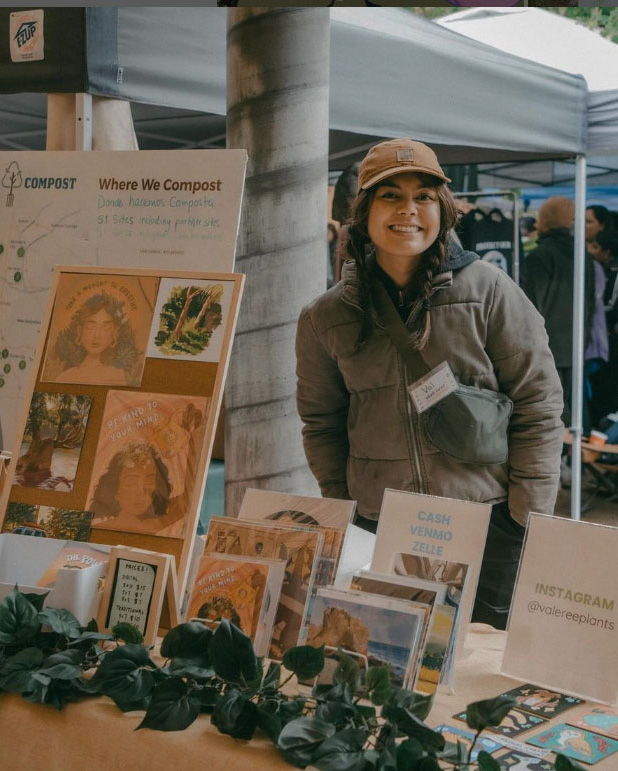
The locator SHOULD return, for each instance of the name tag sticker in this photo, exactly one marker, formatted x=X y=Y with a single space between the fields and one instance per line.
x=433 y=387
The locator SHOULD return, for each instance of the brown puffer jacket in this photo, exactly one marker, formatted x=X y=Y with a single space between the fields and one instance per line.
x=359 y=435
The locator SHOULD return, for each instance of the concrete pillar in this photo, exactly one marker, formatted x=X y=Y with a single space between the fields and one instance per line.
x=277 y=92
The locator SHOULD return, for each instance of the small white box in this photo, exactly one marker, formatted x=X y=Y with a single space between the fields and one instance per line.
x=25 y=558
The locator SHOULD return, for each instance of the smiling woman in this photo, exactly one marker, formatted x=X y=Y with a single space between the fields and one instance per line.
x=411 y=299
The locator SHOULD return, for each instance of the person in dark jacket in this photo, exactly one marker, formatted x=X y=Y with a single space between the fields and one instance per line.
x=548 y=281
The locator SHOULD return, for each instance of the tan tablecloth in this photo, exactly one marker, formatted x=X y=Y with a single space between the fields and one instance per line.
x=95 y=735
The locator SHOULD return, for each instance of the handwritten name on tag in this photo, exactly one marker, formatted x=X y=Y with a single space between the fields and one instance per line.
x=433 y=387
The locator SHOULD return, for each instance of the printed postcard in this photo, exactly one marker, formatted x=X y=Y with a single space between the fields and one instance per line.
x=575 y=743
x=52 y=441
x=542 y=702
x=516 y=722
x=455 y=734
x=452 y=574
x=302 y=509
x=519 y=761
x=298 y=547
x=47 y=522
x=144 y=469
x=232 y=589
x=190 y=319
x=599 y=720
x=436 y=649
x=99 y=329
x=76 y=557
x=384 y=631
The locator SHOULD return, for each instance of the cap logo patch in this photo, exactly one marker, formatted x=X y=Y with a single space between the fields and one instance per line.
x=405 y=155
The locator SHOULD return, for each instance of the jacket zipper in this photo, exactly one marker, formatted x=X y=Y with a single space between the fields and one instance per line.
x=413 y=434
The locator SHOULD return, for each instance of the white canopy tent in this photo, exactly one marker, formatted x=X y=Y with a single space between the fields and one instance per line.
x=392 y=73
x=559 y=42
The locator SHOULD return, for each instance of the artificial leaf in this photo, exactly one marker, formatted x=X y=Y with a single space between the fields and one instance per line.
x=16 y=672
x=272 y=677
x=347 y=671
x=192 y=668
x=365 y=711
x=173 y=707
x=486 y=762
x=235 y=715
x=408 y=752
x=19 y=621
x=65 y=665
x=563 y=763
x=124 y=675
x=56 y=693
x=36 y=599
x=489 y=712
x=305 y=661
x=61 y=621
x=335 y=712
x=412 y=726
x=416 y=703
x=189 y=641
x=427 y=764
x=209 y=695
x=232 y=654
x=269 y=719
x=290 y=710
x=378 y=684
x=129 y=633
x=342 y=752
x=300 y=738
x=339 y=692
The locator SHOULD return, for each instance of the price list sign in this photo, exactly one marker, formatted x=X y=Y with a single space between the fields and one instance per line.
x=132 y=594
x=138 y=585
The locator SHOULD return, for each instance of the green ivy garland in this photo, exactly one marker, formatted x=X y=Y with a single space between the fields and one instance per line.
x=44 y=654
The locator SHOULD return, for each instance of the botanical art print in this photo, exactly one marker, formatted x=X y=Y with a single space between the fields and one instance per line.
x=190 y=319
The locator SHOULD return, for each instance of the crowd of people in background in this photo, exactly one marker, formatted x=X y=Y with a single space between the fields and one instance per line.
x=547 y=278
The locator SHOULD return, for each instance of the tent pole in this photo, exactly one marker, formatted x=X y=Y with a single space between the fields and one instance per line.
x=83 y=121
x=577 y=388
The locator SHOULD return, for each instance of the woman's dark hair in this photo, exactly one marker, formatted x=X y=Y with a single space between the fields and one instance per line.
x=124 y=354
x=356 y=243
x=104 y=502
x=608 y=240
x=602 y=216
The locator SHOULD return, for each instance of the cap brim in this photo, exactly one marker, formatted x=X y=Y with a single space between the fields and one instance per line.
x=402 y=170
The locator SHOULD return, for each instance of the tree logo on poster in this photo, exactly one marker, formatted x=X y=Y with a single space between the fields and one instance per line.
x=11 y=180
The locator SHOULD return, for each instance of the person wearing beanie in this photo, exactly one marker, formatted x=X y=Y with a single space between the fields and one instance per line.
x=547 y=279
x=409 y=301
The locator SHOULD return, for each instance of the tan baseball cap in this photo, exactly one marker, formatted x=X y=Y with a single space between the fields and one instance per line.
x=397 y=156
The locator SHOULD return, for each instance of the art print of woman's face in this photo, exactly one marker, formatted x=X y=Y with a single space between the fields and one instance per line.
x=404 y=217
x=137 y=483
x=98 y=333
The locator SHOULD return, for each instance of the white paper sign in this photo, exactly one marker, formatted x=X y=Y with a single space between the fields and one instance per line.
x=563 y=626
x=135 y=209
x=26 y=32
x=133 y=587
x=433 y=387
x=443 y=529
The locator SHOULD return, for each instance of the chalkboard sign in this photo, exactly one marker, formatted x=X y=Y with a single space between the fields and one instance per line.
x=137 y=586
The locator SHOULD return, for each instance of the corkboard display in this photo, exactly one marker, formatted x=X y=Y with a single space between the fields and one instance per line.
x=152 y=353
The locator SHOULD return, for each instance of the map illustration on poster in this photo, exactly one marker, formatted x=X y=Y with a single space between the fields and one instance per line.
x=130 y=209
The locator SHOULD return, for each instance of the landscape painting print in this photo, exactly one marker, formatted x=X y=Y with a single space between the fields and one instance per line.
x=98 y=329
x=145 y=464
x=190 y=319
x=47 y=522
x=52 y=441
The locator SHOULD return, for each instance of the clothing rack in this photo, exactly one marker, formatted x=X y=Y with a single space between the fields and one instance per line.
x=512 y=195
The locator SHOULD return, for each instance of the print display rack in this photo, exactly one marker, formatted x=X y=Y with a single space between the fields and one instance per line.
x=119 y=419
